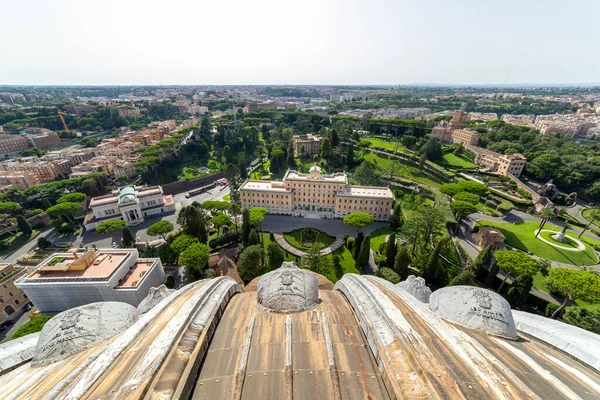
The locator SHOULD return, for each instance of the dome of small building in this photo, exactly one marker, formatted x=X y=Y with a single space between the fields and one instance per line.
x=288 y=289
x=475 y=308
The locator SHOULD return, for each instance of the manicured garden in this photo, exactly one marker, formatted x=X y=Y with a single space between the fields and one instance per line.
x=387 y=145
x=587 y=214
x=304 y=238
x=189 y=168
x=522 y=236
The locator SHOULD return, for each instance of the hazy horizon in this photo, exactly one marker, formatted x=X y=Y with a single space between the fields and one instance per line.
x=325 y=43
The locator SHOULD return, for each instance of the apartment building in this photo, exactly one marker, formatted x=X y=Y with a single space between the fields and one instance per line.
x=128 y=111
x=465 y=136
x=306 y=145
x=12 y=299
x=23 y=181
x=12 y=144
x=317 y=193
x=132 y=204
x=45 y=171
x=503 y=164
x=76 y=154
x=44 y=139
x=66 y=280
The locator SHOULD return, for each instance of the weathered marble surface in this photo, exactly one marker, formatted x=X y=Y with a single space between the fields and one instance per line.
x=17 y=351
x=80 y=328
x=416 y=287
x=475 y=308
x=581 y=344
x=288 y=289
x=155 y=296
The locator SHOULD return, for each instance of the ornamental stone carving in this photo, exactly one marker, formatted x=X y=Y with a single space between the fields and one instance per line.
x=288 y=289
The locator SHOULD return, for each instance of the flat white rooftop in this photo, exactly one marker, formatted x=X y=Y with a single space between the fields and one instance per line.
x=272 y=186
x=338 y=177
x=366 y=191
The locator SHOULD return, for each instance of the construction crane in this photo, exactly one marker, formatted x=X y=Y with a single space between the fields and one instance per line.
x=60 y=114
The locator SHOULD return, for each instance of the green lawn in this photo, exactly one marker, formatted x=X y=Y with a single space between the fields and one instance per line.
x=378 y=237
x=522 y=237
x=456 y=161
x=227 y=197
x=391 y=145
x=403 y=170
x=586 y=214
x=189 y=168
x=294 y=239
x=16 y=241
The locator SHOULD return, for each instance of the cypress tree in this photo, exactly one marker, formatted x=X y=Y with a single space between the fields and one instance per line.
x=46 y=204
x=253 y=238
x=350 y=155
x=430 y=269
x=482 y=263
x=491 y=276
x=390 y=251
x=245 y=226
x=243 y=170
x=128 y=238
x=356 y=246
x=365 y=251
x=401 y=262
x=24 y=225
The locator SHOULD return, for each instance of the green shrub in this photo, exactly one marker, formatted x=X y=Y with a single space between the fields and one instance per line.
x=35 y=325
x=550 y=308
x=582 y=318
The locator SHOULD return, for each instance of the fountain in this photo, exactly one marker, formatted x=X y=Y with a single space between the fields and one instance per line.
x=560 y=236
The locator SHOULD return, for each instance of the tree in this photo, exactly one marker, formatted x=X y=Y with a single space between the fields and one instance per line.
x=128 y=238
x=243 y=170
x=253 y=238
x=161 y=228
x=43 y=243
x=358 y=220
x=182 y=242
x=10 y=207
x=75 y=197
x=356 y=245
x=250 y=263
x=219 y=221
x=574 y=284
x=290 y=161
x=390 y=251
x=592 y=216
x=110 y=226
x=314 y=261
x=23 y=225
x=337 y=265
x=482 y=263
x=490 y=278
x=424 y=223
x=191 y=219
x=594 y=191
x=402 y=262
x=465 y=278
x=245 y=226
x=257 y=216
x=276 y=255
x=364 y=174
x=515 y=263
x=396 y=219
x=389 y=275
x=326 y=150
x=461 y=209
x=195 y=257
x=466 y=197
x=365 y=252
x=429 y=271
x=46 y=204
x=583 y=318
x=546 y=215
x=433 y=149
x=67 y=210
x=350 y=156
x=519 y=290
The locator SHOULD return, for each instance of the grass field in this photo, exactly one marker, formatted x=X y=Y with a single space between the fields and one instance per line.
x=522 y=237
x=378 y=237
x=294 y=239
x=16 y=241
x=587 y=214
x=391 y=146
x=404 y=170
x=539 y=281
x=456 y=161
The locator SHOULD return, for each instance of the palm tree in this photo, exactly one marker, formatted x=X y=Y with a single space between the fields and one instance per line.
x=547 y=214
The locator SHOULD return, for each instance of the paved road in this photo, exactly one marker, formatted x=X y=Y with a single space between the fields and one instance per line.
x=22 y=319
x=333 y=227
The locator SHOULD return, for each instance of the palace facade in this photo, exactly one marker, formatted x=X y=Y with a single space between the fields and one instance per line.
x=314 y=192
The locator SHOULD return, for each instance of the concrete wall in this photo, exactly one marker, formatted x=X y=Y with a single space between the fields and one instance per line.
x=184 y=186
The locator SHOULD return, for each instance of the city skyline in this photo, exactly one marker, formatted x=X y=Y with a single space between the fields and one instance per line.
x=321 y=43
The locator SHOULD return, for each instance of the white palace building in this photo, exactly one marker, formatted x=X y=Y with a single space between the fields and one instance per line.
x=315 y=194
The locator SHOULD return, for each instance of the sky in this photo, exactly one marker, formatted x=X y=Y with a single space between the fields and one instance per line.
x=320 y=42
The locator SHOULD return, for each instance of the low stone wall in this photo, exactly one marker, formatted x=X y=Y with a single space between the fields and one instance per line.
x=184 y=186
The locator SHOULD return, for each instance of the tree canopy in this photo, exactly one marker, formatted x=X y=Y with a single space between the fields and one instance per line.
x=250 y=263
x=110 y=226
x=182 y=242
x=160 y=228
x=195 y=256
x=358 y=220
x=75 y=197
x=257 y=215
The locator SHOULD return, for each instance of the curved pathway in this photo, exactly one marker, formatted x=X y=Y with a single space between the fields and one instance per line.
x=280 y=239
x=580 y=245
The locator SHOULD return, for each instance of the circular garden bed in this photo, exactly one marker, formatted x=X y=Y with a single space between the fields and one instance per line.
x=307 y=237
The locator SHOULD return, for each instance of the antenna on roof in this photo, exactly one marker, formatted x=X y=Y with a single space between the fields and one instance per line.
x=507 y=74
